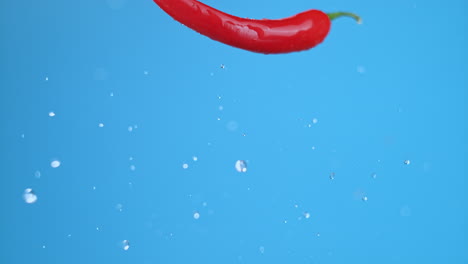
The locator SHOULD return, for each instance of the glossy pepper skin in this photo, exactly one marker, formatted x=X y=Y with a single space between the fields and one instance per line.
x=269 y=36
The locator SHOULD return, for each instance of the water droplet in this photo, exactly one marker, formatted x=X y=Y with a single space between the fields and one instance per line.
x=221 y=108
x=205 y=204
x=332 y=176
x=145 y=72
x=185 y=166
x=22 y=135
x=261 y=249
x=132 y=167
x=374 y=175
x=365 y=198
x=222 y=66
x=232 y=125
x=119 y=207
x=94 y=188
x=241 y=166
x=195 y=158
x=55 y=164
x=407 y=162
x=196 y=215
x=130 y=158
x=130 y=129
x=37 y=174
x=318 y=234
x=43 y=246
x=51 y=114
x=101 y=125
x=125 y=245
x=29 y=196
x=313 y=147
x=361 y=69
x=306 y=215
x=315 y=120
x=405 y=210
x=97 y=228
x=111 y=94
x=46 y=78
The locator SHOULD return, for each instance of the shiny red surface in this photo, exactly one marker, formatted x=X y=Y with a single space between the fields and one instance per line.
x=299 y=32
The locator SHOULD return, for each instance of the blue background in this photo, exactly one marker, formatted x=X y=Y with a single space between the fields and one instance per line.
x=389 y=90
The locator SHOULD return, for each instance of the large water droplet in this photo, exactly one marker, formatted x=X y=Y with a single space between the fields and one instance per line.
x=29 y=196
x=241 y=166
x=196 y=215
x=125 y=245
x=55 y=164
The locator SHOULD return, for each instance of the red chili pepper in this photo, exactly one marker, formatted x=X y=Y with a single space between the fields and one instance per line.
x=296 y=33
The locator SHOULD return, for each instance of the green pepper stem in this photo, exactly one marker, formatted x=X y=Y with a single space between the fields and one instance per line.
x=341 y=14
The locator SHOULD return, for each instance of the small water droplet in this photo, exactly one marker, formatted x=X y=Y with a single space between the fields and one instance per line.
x=119 y=207
x=111 y=94
x=222 y=66
x=46 y=78
x=55 y=164
x=365 y=198
x=407 y=162
x=51 y=114
x=125 y=245
x=306 y=215
x=101 y=125
x=185 y=166
x=241 y=166
x=196 y=215
x=145 y=72
x=130 y=128
x=195 y=158
x=374 y=175
x=29 y=196
x=37 y=174
x=361 y=69
x=261 y=249
x=132 y=167
x=332 y=176
x=315 y=120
